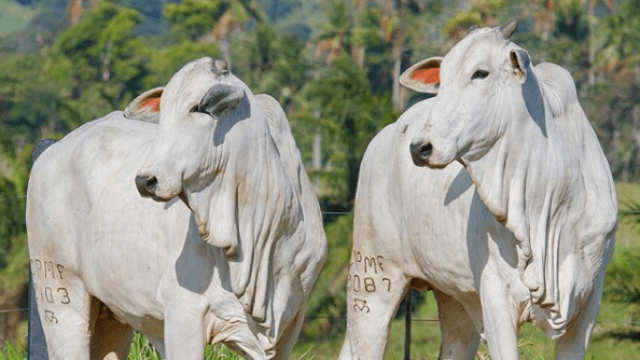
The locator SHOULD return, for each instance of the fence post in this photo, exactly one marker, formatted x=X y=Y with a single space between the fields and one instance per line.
x=407 y=324
x=37 y=345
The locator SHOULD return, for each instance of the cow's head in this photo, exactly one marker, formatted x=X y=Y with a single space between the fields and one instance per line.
x=198 y=150
x=477 y=84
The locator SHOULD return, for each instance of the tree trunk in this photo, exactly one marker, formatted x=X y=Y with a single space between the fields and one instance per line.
x=396 y=51
x=591 y=19
x=317 y=159
x=357 y=53
x=397 y=43
x=74 y=11
x=106 y=63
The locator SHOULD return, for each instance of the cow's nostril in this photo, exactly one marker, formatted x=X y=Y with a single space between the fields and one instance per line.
x=146 y=184
x=152 y=182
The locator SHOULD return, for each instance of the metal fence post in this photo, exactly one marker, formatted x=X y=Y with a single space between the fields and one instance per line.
x=407 y=324
x=37 y=345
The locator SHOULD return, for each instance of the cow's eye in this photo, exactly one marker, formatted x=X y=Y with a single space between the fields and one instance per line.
x=480 y=74
x=195 y=109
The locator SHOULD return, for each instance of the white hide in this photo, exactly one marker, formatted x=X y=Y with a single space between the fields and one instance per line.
x=107 y=261
x=523 y=137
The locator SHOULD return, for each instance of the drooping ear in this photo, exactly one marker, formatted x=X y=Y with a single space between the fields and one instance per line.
x=220 y=99
x=520 y=63
x=145 y=107
x=424 y=76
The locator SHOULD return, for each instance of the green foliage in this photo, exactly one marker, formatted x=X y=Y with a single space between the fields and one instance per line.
x=350 y=116
x=479 y=15
x=572 y=21
x=274 y=63
x=621 y=38
x=326 y=306
x=193 y=18
x=623 y=279
x=31 y=97
x=11 y=352
x=165 y=61
x=613 y=106
x=108 y=64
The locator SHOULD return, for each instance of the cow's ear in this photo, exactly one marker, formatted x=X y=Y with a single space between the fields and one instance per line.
x=145 y=107
x=220 y=99
x=520 y=63
x=423 y=76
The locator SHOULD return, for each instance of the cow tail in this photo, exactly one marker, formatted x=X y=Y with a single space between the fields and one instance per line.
x=40 y=147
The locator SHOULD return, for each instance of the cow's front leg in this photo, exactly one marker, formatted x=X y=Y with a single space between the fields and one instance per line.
x=375 y=287
x=184 y=328
x=504 y=300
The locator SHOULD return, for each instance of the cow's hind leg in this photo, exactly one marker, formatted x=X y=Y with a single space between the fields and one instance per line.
x=289 y=337
x=460 y=339
x=111 y=338
x=372 y=301
x=66 y=311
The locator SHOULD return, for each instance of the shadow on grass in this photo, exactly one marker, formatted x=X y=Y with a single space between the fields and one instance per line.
x=624 y=335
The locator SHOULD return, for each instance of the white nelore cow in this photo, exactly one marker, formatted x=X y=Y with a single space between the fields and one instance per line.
x=520 y=228
x=228 y=256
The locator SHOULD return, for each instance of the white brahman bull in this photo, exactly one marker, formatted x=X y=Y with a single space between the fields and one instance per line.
x=537 y=251
x=522 y=135
x=232 y=262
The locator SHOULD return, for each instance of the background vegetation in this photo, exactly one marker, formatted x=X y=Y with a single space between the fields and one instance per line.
x=333 y=65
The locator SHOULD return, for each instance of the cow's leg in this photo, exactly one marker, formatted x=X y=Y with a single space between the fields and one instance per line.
x=111 y=338
x=68 y=313
x=460 y=339
x=289 y=337
x=573 y=344
x=373 y=298
x=503 y=301
x=184 y=329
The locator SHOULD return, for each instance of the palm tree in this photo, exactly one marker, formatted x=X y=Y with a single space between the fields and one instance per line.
x=75 y=9
x=214 y=21
x=234 y=18
x=396 y=35
x=591 y=6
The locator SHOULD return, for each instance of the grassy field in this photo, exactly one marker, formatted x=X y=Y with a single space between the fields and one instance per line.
x=616 y=336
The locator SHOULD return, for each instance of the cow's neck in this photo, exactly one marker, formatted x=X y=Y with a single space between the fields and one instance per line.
x=267 y=211
x=530 y=181
x=264 y=170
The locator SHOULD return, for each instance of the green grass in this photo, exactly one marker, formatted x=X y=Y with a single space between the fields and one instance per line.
x=628 y=234
x=14 y=17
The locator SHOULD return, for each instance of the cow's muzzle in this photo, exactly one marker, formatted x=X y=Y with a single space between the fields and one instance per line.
x=146 y=185
x=420 y=152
